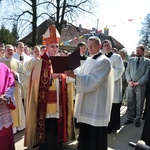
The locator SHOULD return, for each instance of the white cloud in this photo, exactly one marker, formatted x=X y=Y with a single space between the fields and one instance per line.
x=116 y=14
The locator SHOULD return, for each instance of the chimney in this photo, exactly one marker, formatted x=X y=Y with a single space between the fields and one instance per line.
x=93 y=29
x=106 y=31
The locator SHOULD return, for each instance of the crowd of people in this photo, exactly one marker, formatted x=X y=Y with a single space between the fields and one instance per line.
x=49 y=106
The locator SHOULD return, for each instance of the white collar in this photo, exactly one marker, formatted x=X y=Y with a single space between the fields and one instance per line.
x=8 y=59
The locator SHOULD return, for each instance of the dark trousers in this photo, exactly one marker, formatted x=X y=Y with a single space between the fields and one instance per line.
x=114 y=123
x=92 y=138
x=51 y=135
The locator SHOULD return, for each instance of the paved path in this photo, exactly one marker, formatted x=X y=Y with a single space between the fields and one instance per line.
x=116 y=141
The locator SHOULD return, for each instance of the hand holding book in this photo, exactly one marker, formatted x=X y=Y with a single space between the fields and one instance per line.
x=65 y=63
x=70 y=73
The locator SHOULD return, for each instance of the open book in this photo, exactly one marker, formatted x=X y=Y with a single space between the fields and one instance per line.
x=64 y=63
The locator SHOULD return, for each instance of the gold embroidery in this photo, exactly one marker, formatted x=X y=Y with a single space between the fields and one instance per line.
x=45 y=77
x=40 y=120
x=52 y=31
x=45 y=72
x=43 y=96
x=48 y=62
x=40 y=136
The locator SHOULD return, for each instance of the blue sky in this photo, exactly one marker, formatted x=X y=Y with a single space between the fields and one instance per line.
x=122 y=17
x=115 y=14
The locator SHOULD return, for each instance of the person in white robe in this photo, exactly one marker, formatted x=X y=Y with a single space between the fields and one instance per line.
x=23 y=58
x=83 y=52
x=118 y=67
x=94 y=88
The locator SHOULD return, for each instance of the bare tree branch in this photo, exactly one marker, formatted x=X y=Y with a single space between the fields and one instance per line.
x=47 y=2
x=24 y=12
x=27 y=3
x=44 y=13
x=22 y=29
x=57 y=10
x=14 y=19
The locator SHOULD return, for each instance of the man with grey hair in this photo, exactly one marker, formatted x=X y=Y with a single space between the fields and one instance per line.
x=94 y=88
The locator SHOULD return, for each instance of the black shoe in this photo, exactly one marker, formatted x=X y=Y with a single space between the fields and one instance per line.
x=114 y=131
x=138 y=124
x=128 y=122
x=143 y=117
x=109 y=131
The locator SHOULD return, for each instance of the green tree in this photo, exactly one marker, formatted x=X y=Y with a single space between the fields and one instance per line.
x=145 y=32
x=6 y=36
x=14 y=33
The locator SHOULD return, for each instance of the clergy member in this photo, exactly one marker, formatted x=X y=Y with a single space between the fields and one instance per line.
x=22 y=58
x=49 y=109
x=18 y=115
x=6 y=104
x=83 y=51
x=118 y=67
x=94 y=88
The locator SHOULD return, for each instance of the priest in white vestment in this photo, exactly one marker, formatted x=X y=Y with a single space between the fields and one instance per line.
x=118 y=67
x=94 y=88
x=22 y=58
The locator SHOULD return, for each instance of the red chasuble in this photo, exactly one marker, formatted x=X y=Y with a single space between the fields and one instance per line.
x=42 y=99
x=45 y=96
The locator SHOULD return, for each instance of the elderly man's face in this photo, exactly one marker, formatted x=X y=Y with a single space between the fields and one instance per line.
x=9 y=50
x=93 y=47
x=53 y=49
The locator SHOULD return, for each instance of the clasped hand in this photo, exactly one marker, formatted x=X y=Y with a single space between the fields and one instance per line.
x=131 y=83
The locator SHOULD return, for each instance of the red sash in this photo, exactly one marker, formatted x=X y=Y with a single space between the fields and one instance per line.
x=44 y=96
x=62 y=121
x=42 y=99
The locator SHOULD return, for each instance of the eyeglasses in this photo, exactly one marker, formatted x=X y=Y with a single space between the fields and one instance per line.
x=10 y=50
x=53 y=46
